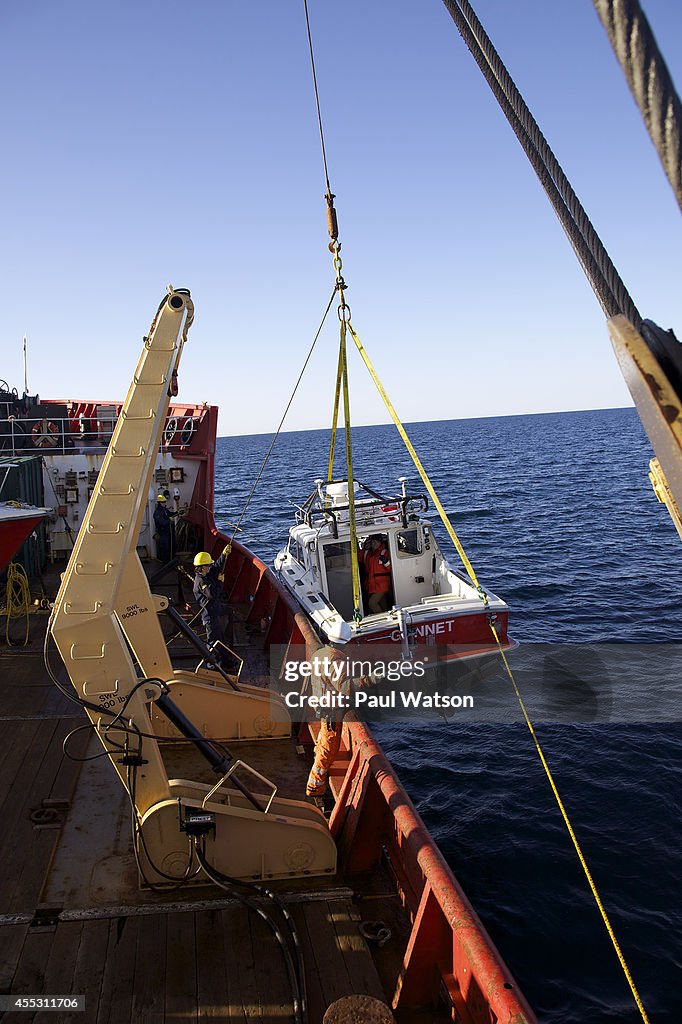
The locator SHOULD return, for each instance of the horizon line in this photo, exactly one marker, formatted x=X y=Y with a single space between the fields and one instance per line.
x=459 y=419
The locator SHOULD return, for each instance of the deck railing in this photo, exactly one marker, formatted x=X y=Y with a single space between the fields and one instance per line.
x=48 y=435
x=448 y=949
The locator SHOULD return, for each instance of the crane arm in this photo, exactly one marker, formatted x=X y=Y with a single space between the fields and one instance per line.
x=104 y=606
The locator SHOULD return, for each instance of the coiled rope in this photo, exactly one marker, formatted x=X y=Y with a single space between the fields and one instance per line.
x=17 y=599
x=650 y=82
x=598 y=266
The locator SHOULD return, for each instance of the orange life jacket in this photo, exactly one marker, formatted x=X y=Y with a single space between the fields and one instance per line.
x=378 y=567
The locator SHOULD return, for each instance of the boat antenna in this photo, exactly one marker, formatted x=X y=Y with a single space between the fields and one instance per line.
x=25 y=367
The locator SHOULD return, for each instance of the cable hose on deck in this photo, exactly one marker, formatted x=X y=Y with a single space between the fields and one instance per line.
x=17 y=599
x=594 y=259
x=650 y=81
x=281 y=422
x=294 y=966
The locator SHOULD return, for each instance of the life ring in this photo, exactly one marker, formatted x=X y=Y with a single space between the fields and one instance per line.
x=188 y=428
x=171 y=430
x=45 y=434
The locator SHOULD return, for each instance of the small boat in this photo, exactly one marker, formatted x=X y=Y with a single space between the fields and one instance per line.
x=428 y=605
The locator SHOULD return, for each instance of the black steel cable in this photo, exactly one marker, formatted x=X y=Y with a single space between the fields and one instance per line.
x=596 y=262
x=317 y=98
x=651 y=84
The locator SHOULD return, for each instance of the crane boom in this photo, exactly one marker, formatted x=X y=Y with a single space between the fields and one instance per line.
x=106 y=627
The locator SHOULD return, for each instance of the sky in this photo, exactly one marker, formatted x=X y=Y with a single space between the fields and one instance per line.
x=148 y=143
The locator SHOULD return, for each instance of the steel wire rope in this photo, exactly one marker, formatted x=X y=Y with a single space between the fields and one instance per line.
x=650 y=82
x=281 y=422
x=595 y=260
x=512 y=103
x=317 y=98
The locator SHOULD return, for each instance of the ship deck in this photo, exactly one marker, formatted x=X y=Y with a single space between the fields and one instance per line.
x=74 y=920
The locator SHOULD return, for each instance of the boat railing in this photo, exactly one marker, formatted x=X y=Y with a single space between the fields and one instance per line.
x=448 y=949
x=368 y=513
x=50 y=435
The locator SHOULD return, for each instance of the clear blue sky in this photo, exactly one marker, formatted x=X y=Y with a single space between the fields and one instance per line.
x=152 y=142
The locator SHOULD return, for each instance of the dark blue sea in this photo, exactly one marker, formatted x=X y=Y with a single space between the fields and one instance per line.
x=558 y=518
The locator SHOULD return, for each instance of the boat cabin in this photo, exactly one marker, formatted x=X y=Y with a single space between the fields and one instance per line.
x=423 y=600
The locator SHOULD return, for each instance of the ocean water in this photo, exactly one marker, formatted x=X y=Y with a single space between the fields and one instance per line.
x=558 y=518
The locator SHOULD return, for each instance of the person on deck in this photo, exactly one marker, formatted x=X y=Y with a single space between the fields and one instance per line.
x=376 y=559
x=164 y=529
x=208 y=589
x=328 y=739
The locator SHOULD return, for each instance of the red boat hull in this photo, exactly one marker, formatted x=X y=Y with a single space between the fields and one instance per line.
x=13 y=533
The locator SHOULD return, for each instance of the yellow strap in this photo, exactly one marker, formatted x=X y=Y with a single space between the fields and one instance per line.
x=573 y=836
x=417 y=461
x=335 y=419
x=472 y=574
x=355 y=571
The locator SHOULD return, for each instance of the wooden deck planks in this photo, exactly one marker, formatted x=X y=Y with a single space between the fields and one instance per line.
x=87 y=975
x=331 y=968
x=149 y=983
x=16 y=748
x=213 y=988
x=353 y=947
x=25 y=851
x=272 y=980
x=181 y=969
x=12 y=937
x=240 y=965
x=316 y=999
x=116 y=995
x=60 y=968
x=28 y=978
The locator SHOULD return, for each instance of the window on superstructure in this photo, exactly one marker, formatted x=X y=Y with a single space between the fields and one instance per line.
x=409 y=543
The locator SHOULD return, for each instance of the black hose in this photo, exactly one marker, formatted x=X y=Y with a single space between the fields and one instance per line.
x=231 y=886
